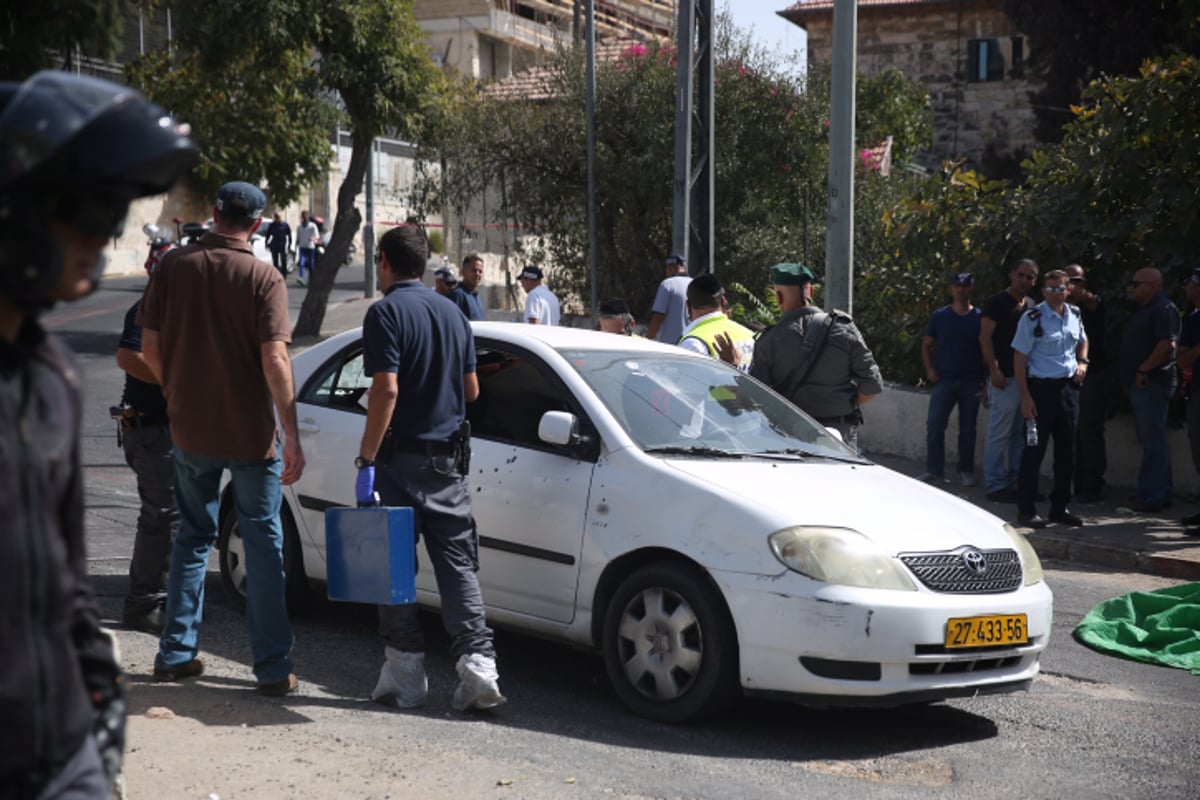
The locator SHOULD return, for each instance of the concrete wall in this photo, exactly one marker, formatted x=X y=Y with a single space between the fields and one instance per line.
x=895 y=425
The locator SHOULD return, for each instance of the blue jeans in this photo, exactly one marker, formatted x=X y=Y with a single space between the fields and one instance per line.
x=1005 y=438
x=306 y=260
x=257 y=495
x=1149 y=407
x=946 y=394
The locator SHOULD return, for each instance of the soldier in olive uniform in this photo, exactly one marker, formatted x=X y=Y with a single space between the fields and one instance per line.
x=818 y=361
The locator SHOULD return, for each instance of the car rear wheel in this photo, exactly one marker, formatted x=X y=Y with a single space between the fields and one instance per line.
x=232 y=560
x=670 y=647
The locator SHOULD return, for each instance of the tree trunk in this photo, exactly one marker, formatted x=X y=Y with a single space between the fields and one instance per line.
x=345 y=227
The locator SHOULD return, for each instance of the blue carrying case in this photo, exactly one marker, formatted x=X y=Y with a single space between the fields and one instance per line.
x=370 y=555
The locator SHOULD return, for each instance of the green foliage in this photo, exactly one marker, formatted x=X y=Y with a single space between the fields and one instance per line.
x=264 y=73
x=1118 y=193
x=1073 y=42
x=436 y=242
x=888 y=104
x=770 y=157
x=1121 y=190
x=251 y=124
x=44 y=35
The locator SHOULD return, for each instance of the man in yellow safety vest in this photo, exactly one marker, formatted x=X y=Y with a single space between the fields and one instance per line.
x=711 y=331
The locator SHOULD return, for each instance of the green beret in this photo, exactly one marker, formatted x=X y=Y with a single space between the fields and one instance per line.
x=791 y=275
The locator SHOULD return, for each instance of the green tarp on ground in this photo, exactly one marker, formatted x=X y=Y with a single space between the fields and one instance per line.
x=1159 y=627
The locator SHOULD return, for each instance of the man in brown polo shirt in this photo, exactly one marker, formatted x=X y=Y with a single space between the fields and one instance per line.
x=215 y=332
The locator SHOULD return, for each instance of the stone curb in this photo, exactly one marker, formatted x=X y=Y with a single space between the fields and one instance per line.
x=1064 y=548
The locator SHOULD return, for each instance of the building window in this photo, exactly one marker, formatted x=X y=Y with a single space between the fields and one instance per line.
x=1018 y=57
x=985 y=60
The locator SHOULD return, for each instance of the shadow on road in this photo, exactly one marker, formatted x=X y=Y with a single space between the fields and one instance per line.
x=551 y=688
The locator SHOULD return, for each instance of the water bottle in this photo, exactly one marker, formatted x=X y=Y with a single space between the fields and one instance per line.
x=1031 y=432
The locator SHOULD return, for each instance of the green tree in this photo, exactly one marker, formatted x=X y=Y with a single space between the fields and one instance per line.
x=1120 y=191
x=262 y=126
x=45 y=35
x=1073 y=42
x=368 y=57
x=771 y=140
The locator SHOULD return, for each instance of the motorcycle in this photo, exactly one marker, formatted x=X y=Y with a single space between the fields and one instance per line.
x=189 y=232
x=159 y=246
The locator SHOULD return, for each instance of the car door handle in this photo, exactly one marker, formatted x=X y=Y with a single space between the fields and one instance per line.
x=308 y=426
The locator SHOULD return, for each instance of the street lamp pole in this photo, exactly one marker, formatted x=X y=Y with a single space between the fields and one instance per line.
x=839 y=242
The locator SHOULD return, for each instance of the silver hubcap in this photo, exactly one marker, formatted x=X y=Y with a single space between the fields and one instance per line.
x=660 y=644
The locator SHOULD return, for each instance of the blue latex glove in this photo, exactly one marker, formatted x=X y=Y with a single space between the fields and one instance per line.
x=364 y=487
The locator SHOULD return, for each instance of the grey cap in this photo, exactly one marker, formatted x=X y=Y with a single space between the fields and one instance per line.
x=241 y=200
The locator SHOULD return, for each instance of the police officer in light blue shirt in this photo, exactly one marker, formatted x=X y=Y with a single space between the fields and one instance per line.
x=1049 y=364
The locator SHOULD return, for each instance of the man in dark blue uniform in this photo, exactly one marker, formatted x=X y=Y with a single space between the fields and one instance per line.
x=418 y=339
x=466 y=291
x=279 y=241
x=1050 y=362
x=146 y=439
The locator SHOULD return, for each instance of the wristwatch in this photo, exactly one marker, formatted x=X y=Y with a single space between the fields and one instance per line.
x=1083 y=361
x=360 y=462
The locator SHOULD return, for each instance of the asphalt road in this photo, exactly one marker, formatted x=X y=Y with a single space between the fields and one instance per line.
x=1092 y=726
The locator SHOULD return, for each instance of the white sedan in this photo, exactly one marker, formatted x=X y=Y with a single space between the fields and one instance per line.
x=702 y=533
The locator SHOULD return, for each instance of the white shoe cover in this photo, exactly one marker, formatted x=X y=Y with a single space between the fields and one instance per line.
x=402 y=682
x=477 y=687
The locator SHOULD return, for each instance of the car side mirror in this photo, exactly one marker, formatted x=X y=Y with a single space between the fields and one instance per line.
x=151 y=230
x=835 y=433
x=560 y=428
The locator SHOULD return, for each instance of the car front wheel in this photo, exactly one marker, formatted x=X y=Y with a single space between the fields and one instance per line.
x=232 y=560
x=670 y=647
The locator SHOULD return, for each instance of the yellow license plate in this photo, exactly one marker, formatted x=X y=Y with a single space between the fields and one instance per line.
x=987 y=631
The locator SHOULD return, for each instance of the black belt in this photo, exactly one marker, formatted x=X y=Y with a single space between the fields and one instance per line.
x=850 y=418
x=424 y=448
x=1049 y=380
x=143 y=421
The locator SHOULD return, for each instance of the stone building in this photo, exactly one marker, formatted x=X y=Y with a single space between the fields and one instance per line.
x=967 y=55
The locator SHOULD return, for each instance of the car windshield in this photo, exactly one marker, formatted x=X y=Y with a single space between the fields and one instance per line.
x=681 y=404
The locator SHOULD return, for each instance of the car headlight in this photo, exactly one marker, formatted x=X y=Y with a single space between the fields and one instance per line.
x=838 y=555
x=1030 y=563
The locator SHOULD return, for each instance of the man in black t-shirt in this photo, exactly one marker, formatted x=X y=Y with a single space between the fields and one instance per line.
x=146 y=439
x=1189 y=351
x=1005 y=433
x=1091 y=454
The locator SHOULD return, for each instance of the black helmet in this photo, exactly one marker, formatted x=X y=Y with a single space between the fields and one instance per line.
x=77 y=150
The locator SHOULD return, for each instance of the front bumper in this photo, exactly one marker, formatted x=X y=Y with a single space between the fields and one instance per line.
x=848 y=646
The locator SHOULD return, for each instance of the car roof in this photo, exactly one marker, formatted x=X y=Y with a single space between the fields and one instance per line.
x=553 y=337
x=565 y=338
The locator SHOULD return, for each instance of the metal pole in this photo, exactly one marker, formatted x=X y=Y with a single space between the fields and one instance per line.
x=369 y=227
x=839 y=242
x=593 y=260
x=683 y=128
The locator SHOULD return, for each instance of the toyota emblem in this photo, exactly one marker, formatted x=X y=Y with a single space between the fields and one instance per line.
x=974 y=561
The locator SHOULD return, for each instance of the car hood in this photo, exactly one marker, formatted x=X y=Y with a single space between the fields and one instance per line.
x=899 y=513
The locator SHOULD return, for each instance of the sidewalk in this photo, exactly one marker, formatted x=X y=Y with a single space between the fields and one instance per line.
x=1154 y=544
x=1109 y=538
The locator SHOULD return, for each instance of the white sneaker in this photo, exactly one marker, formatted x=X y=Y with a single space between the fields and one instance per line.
x=478 y=686
x=402 y=682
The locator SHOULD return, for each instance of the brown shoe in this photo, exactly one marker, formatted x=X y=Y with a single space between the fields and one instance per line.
x=188 y=669
x=279 y=688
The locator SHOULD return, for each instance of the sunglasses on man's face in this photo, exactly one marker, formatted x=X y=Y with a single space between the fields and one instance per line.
x=1054 y=289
